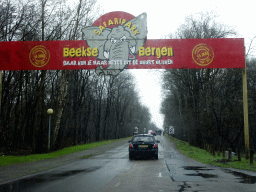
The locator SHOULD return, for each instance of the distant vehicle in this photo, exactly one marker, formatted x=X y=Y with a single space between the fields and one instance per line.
x=158 y=132
x=143 y=146
x=149 y=131
x=153 y=133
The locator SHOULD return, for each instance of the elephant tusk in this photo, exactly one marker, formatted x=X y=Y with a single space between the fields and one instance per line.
x=106 y=54
x=133 y=49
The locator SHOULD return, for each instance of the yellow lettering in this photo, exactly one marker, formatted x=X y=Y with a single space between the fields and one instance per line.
x=97 y=32
x=164 y=51
x=170 y=52
x=116 y=21
x=83 y=52
x=153 y=50
x=101 y=28
x=158 y=52
x=128 y=24
x=110 y=22
x=133 y=28
x=147 y=51
x=65 y=52
x=141 y=51
x=94 y=52
x=205 y=53
x=123 y=21
x=135 y=32
x=72 y=52
x=89 y=51
x=104 y=23
x=78 y=52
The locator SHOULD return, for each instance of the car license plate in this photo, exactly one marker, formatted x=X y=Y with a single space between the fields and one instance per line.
x=143 y=145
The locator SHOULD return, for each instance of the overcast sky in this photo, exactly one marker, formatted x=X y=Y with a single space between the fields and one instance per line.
x=165 y=16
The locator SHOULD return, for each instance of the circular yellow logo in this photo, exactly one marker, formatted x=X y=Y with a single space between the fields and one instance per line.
x=202 y=54
x=39 y=56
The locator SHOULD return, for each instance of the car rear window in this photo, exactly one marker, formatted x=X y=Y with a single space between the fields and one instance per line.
x=145 y=139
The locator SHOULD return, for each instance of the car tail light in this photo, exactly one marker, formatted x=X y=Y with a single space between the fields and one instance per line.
x=131 y=146
x=155 y=145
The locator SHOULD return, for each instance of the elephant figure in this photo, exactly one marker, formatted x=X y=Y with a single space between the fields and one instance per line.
x=115 y=44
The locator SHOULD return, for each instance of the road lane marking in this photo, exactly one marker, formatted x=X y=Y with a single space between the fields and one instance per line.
x=116 y=185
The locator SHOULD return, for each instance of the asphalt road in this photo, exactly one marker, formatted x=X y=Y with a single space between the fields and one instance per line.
x=112 y=171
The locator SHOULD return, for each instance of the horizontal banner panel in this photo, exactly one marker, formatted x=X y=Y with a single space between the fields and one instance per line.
x=155 y=54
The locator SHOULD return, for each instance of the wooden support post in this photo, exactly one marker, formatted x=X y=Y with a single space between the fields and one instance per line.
x=0 y=91
x=245 y=103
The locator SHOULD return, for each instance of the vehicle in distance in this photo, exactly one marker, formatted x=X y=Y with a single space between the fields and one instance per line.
x=149 y=131
x=158 y=132
x=143 y=146
x=153 y=133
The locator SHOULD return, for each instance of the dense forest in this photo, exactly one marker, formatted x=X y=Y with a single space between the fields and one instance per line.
x=86 y=107
x=205 y=106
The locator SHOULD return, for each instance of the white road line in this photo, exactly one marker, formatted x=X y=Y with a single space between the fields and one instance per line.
x=116 y=185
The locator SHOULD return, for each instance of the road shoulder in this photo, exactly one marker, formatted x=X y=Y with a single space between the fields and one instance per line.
x=14 y=172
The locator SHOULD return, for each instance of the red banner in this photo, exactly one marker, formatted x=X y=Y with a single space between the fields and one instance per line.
x=156 y=54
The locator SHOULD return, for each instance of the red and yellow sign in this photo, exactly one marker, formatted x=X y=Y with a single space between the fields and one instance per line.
x=116 y=41
x=202 y=54
x=157 y=54
x=39 y=56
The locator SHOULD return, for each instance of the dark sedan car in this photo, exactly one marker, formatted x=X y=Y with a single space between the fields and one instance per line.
x=143 y=146
x=158 y=132
x=153 y=133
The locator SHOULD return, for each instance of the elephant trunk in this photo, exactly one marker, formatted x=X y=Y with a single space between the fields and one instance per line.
x=119 y=51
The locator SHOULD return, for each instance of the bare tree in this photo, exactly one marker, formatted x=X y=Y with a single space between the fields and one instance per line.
x=86 y=107
x=198 y=100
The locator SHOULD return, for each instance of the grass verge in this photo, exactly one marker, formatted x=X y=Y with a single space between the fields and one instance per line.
x=205 y=157
x=9 y=160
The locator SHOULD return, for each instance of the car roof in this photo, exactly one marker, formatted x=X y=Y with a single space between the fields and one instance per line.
x=145 y=135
